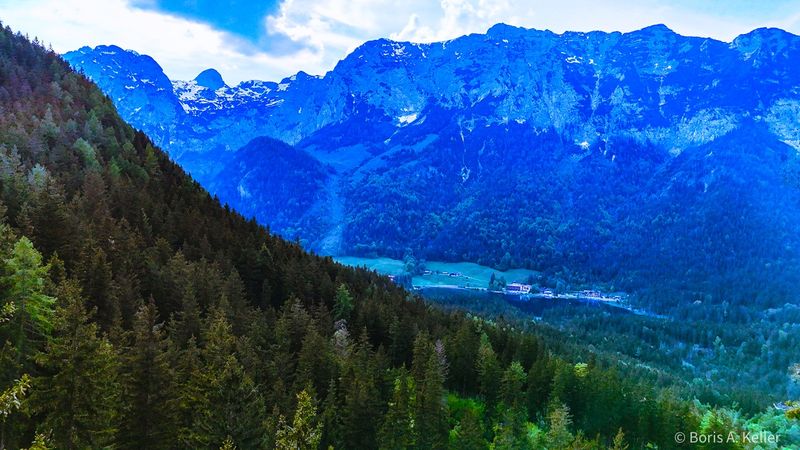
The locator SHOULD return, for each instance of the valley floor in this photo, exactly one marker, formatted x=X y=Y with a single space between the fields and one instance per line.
x=466 y=276
x=441 y=274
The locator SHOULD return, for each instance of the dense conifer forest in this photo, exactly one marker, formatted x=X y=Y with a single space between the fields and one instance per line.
x=137 y=312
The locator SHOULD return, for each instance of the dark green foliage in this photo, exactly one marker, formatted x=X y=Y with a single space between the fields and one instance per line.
x=148 y=419
x=362 y=406
x=343 y=306
x=489 y=371
x=511 y=432
x=462 y=354
x=468 y=434
x=182 y=325
x=303 y=433
x=77 y=393
x=397 y=430
x=25 y=283
x=235 y=406
x=430 y=408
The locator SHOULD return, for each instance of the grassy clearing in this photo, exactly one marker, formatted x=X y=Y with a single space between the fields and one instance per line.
x=470 y=274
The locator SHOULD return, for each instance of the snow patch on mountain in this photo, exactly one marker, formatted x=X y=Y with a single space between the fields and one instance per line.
x=652 y=85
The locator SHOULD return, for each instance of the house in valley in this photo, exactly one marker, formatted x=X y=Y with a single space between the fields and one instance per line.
x=518 y=288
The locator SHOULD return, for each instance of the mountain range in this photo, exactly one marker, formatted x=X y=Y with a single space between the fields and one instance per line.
x=650 y=161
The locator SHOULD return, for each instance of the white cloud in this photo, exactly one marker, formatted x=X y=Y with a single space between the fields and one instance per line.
x=183 y=47
x=324 y=31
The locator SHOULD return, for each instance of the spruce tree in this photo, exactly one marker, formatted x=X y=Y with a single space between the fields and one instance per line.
x=489 y=372
x=468 y=434
x=512 y=387
x=40 y=442
x=237 y=406
x=343 y=304
x=77 y=395
x=462 y=351
x=511 y=432
x=192 y=404
x=147 y=418
x=33 y=309
x=304 y=433
x=361 y=405
x=559 y=435
x=619 y=441
x=187 y=323
x=396 y=432
x=331 y=418
x=98 y=287
x=431 y=427
x=315 y=364
x=539 y=383
x=228 y=444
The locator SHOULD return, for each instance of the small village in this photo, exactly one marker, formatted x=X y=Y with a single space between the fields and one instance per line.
x=527 y=291
x=521 y=291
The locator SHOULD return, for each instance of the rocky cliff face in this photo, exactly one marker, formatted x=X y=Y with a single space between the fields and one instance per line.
x=652 y=84
x=142 y=93
x=512 y=147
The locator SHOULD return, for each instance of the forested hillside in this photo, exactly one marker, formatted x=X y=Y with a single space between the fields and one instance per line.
x=137 y=312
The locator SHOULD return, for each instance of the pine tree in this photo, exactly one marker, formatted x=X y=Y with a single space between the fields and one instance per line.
x=511 y=432
x=237 y=406
x=468 y=434
x=303 y=433
x=619 y=441
x=558 y=436
x=77 y=396
x=488 y=374
x=396 y=432
x=361 y=405
x=192 y=404
x=26 y=282
x=343 y=304
x=147 y=419
x=431 y=427
x=463 y=352
x=512 y=387
x=315 y=365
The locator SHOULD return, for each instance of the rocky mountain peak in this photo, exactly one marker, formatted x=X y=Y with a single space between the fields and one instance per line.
x=210 y=79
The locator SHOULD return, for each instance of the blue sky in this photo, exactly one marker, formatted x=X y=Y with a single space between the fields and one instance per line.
x=272 y=39
x=243 y=17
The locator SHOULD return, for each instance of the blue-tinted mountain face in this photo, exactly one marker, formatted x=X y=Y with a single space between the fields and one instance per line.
x=654 y=161
x=210 y=79
x=137 y=84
